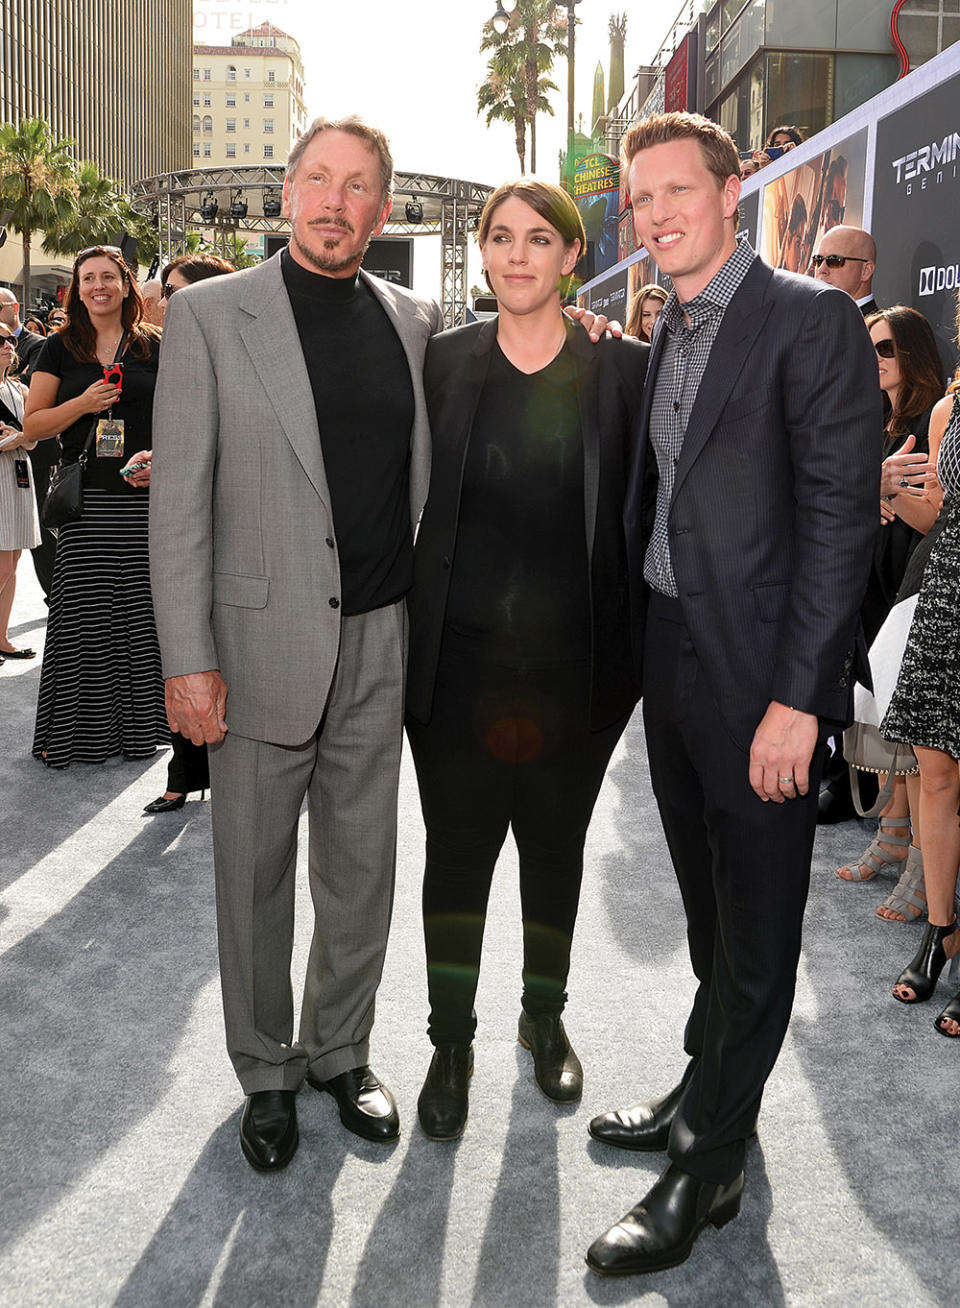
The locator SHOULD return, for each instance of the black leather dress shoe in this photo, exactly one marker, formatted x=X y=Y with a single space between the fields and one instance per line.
x=660 y=1231
x=268 y=1129
x=443 y=1102
x=643 y=1127
x=366 y=1106
x=556 y=1068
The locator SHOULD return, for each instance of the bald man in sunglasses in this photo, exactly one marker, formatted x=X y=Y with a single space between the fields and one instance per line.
x=847 y=258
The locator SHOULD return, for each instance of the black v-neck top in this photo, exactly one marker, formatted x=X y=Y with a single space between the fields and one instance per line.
x=519 y=591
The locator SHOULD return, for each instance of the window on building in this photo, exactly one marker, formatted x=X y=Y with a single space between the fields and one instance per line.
x=196 y=123
x=231 y=73
x=246 y=97
x=196 y=149
x=231 y=100
x=246 y=124
x=799 y=89
x=206 y=149
x=206 y=74
x=207 y=123
x=246 y=73
x=268 y=124
x=246 y=148
x=196 y=74
x=268 y=102
x=231 y=149
x=268 y=152
x=196 y=99
x=271 y=75
x=231 y=124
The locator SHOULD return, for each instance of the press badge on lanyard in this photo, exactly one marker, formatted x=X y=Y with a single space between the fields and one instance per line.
x=110 y=438
x=110 y=429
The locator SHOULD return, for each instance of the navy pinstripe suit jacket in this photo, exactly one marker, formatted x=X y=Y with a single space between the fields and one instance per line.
x=774 y=509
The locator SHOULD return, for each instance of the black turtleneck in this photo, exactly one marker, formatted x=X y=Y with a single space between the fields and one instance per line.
x=364 y=398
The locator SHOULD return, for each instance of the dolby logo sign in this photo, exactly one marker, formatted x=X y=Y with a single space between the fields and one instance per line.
x=939 y=279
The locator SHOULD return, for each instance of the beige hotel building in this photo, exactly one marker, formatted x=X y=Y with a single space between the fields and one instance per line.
x=248 y=106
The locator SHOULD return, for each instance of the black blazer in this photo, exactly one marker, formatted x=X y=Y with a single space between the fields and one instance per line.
x=774 y=509
x=609 y=384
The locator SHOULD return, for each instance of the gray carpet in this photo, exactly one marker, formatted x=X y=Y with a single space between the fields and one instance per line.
x=122 y=1179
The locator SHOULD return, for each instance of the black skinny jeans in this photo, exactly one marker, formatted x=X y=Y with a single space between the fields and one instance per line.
x=504 y=747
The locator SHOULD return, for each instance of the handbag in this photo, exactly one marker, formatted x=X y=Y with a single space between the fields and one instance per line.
x=63 y=502
x=867 y=751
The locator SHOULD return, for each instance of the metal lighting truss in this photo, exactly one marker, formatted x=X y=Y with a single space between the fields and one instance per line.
x=451 y=209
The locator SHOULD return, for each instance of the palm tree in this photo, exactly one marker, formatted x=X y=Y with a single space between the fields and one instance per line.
x=37 y=183
x=505 y=100
x=535 y=37
x=98 y=214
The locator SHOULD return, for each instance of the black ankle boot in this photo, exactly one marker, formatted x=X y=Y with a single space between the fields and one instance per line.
x=443 y=1102
x=924 y=972
x=556 y=1067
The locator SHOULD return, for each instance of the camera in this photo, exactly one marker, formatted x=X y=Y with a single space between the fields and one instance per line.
x=774 y=151
x=113 y=374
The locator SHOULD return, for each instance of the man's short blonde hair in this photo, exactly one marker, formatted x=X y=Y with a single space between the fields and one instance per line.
x=716 y=145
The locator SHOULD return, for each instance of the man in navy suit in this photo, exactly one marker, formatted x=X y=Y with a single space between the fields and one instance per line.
x=750 y=519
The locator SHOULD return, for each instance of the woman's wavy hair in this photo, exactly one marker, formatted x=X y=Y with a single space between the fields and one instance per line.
x=79 y=334
x=921 y=369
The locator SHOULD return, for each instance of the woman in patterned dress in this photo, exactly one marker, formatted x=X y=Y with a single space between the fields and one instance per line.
x=925 y=712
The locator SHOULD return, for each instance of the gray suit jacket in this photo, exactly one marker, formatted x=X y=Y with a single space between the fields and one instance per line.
x=242 y=541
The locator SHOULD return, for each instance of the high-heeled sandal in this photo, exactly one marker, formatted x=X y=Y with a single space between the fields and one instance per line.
x=950 y=1014
x=908 y=897
x=875 y=858
x=931 y=958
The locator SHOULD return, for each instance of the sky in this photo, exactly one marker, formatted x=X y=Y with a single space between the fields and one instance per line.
x=413 y=68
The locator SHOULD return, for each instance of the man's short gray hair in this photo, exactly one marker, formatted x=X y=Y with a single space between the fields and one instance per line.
x=354 y=126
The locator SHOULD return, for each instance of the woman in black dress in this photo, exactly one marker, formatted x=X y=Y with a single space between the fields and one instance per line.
x=912 y=382
x=101 y=690
x=520 y=678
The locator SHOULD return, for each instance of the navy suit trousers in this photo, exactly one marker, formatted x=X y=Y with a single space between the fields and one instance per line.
x=743 y=866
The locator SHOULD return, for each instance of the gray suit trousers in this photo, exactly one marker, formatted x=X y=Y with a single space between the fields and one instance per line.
x=349 y=773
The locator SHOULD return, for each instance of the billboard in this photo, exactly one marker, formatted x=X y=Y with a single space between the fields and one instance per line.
x=916 y=202
x=810 y=199
x=391 y=258
x=596 y=190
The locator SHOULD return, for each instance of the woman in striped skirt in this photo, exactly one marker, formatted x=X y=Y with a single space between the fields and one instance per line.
x=101 y=689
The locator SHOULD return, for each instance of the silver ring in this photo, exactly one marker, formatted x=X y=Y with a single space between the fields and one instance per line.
x=904 y=482
x=785 y=781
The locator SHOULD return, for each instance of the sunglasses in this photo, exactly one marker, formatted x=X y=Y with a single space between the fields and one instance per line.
x=9 y=340
x=836 y=260
x=886 y=349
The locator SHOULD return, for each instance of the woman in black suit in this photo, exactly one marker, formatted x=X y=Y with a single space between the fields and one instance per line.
x=520 y=674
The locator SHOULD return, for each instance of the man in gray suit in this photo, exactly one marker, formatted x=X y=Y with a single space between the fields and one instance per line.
x=291 y=460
